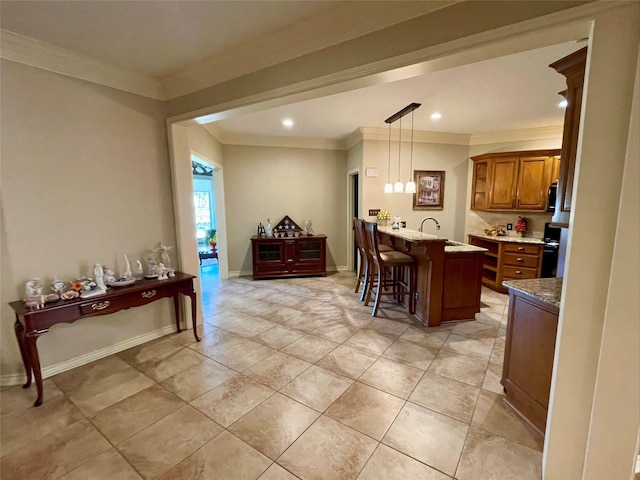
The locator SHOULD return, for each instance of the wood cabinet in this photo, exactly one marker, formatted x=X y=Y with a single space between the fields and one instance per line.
x=572 y=67
x=528 y=357
x=508 y=260
x=462 y=285
x=513 y=181
x=288 y=256
x=480 y=191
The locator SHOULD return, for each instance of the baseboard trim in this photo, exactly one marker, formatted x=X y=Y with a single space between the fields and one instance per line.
x=241 y=273
x=18 y=378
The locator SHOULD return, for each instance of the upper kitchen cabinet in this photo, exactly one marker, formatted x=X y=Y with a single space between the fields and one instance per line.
x=513 y=181
x=572 y=67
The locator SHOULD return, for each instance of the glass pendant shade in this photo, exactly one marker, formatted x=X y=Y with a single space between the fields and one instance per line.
x=388 y=188
x=398 y=187
x=410 y=187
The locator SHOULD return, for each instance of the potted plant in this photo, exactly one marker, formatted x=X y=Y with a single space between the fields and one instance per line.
x=212 y=238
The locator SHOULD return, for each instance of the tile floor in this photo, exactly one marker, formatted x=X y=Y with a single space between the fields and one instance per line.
x=292 y=379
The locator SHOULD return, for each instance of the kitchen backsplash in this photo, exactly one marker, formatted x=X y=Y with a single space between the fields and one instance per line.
x=477 y=222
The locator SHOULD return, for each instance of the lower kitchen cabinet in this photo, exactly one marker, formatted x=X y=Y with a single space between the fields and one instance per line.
x=275 y=257
x=508 y=259
x=528 y=356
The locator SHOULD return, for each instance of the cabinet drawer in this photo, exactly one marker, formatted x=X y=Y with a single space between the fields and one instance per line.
x=509 y=271
x=530 y=249
x=521 y=260
x=111 y=304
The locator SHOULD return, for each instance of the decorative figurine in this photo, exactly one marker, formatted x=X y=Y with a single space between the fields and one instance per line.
x=98 y=273
x=139 y=271
x=308 y=228
x=109 y=275
x=163 y=251
x=57 y=286
x=268 y=230
x=127 y=271
x=162 y=271
x=32 y=288
x=261 y=231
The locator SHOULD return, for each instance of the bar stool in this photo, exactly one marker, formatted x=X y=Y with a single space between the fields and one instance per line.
x=363 y=270
x=393 y=262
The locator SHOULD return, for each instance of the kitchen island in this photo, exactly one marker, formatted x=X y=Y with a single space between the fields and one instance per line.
x=449 y=278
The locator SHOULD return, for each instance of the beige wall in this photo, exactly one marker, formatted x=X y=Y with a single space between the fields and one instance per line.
x=270 y=182
x=452 y=159
x=85 y=179
x=476 y=221
x=602 y=150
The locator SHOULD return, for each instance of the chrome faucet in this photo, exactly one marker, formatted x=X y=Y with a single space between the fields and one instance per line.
x=429 y=218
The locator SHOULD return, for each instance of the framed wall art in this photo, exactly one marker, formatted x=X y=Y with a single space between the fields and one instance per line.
x=429 y=189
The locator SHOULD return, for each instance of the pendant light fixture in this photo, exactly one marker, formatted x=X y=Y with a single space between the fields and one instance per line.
x=388 y=188
x=399 y=187
x=411 y=186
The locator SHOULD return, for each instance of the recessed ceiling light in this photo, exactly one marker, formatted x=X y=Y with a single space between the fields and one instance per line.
x=436 y=116
x=287 y=123
x=563 y=103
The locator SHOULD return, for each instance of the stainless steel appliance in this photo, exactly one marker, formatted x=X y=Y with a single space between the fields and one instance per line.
x=550 y=251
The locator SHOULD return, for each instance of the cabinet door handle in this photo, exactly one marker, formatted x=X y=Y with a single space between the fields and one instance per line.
x=519 y=259
x=100 y=306
x=149 y=294
x=520 y=248
x=518 y=272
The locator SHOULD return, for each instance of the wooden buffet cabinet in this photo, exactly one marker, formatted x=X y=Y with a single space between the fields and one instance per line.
x=289 y=256
x=508 y=259
x=514 y=181
x=530 y=348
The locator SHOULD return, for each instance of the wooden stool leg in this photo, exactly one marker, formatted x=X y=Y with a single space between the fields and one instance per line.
x=376 y=304
x=365 y=283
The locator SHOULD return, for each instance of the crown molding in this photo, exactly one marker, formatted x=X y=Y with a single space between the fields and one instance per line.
x=227 y=138
x=419 y=136
x=527 y=134
x=382 y=134
x=27 y=51
x=331 y=27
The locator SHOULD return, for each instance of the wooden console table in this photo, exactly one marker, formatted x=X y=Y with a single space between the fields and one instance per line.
x=31 y=323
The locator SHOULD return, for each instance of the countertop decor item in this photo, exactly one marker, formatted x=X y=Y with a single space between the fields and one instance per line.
x=521 y=226
x=383 y=218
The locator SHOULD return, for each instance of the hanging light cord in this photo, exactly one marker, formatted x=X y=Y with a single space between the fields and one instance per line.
x=399 y=145
x=411 y=155
x=389 y=162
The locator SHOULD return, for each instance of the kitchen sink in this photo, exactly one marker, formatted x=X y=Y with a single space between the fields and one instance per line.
x=450 y=243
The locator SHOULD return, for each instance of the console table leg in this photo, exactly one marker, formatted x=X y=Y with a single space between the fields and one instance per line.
x=32 y=350
x=193 y=315
x=19 y=329
x=176 y=309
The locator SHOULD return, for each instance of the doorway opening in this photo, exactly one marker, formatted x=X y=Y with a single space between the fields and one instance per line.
x=353 y=211
x=206 y=224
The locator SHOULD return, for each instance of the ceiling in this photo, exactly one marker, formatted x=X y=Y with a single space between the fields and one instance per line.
x=161 y=38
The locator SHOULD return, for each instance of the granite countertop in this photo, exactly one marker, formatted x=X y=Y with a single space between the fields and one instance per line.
x=463 y=248
x=537 y=241
x=415 y=236
x=410 y=235
x=547 y=290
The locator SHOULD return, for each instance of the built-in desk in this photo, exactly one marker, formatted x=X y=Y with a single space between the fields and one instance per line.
x=31 y=323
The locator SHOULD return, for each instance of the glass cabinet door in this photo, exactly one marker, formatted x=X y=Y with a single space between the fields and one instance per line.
x=271 y=252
